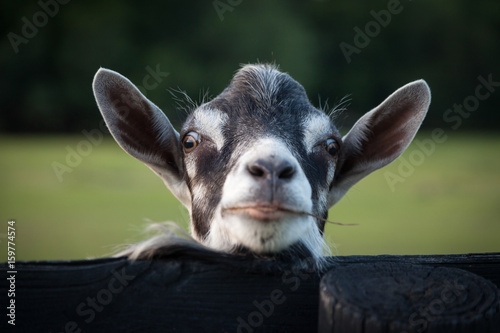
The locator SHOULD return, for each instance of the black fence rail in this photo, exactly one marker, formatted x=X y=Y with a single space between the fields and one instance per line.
x=185 y=293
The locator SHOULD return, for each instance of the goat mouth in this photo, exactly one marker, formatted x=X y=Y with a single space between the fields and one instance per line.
x=261 y=212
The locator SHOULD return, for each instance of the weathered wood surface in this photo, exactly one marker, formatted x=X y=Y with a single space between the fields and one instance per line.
x=397 y=297
x=185 y=293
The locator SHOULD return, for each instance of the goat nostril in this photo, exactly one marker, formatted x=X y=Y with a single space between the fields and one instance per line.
x=256 y=170
x=265 y=169
x=287 y=172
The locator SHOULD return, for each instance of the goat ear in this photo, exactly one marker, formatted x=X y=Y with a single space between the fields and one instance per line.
x=380 y=136
x=141 y=129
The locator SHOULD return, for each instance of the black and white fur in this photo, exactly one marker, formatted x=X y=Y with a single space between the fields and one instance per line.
x=250 y=164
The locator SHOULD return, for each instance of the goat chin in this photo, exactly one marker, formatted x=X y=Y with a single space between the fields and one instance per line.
x=172 y=242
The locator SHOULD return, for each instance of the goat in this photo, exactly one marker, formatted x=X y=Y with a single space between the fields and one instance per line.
x=259 y=166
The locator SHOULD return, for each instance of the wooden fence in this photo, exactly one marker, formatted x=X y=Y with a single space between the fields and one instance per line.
x=190 y=293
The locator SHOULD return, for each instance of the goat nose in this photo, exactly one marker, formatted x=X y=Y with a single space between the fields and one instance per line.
x=270 y=168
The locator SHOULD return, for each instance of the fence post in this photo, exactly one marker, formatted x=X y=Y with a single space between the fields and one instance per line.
x=400 y=297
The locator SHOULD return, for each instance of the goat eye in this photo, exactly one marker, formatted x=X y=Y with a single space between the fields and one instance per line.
x=332 y=147
x=190 y=141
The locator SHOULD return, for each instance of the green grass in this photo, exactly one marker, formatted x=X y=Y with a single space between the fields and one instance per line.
x=449 y=204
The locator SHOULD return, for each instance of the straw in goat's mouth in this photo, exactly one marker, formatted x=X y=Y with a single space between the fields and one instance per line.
x=328 y=221
x=270 y=208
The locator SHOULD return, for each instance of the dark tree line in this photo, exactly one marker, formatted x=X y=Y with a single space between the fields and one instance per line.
x=51 y=49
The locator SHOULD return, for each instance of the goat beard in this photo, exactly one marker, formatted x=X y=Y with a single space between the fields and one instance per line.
x=172 y=242
x=293 y=253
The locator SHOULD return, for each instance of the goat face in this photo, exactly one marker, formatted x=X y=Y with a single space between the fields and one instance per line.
x=255 y=163
x=256 y=158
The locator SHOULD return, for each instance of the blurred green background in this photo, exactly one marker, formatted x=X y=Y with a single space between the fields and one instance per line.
x=446 y=200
